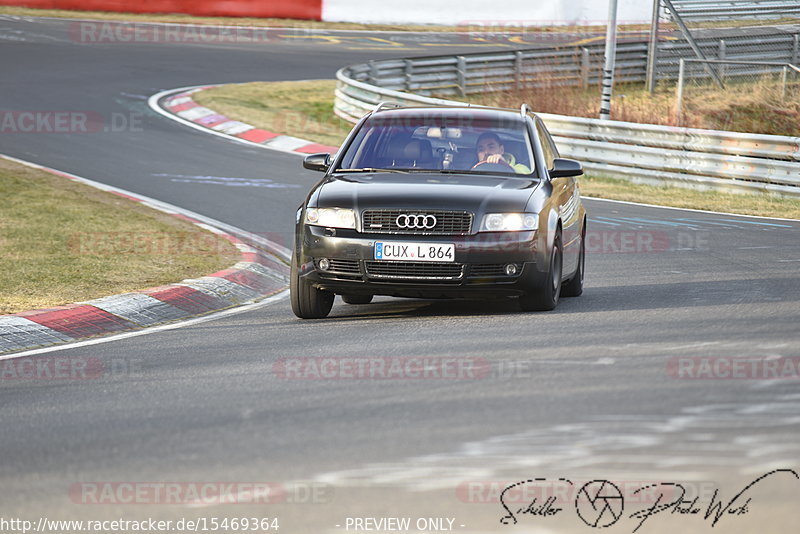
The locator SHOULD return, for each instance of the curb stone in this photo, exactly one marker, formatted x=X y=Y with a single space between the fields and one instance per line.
x=182 y=105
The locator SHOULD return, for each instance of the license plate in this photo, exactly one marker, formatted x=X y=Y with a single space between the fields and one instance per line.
x=440 y=252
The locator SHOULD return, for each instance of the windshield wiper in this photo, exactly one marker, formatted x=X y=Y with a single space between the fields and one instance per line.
x=403 y=170
x=480 y=173
x=372 y=169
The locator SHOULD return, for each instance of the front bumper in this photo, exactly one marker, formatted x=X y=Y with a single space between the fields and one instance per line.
x=478 y=269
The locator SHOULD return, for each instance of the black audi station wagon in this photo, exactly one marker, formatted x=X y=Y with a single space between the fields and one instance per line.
x=440 y=202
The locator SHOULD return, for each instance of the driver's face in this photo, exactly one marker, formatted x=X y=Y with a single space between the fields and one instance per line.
x=488 y=147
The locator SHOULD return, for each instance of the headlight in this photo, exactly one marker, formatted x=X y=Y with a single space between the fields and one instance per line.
x=331 y=217
x=509 y=222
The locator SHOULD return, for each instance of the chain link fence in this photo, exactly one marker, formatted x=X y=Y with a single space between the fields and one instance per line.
x=731 y=63
x=740 y=30
x=757 y=96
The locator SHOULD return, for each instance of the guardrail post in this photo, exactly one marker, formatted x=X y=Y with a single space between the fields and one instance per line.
x=652 y=49
x=721 y=55
x=679 y=97
x=783 y=81
x=408 y=71
x=373 y=72
x=610 y=55
x=518 y=70
x=796 y=49
x=461 y=73
x=585 y=67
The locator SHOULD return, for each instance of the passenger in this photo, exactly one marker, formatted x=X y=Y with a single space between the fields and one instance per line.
x=490 y=150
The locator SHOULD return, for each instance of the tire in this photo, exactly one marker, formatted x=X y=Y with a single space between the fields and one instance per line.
x=308 y=302
x=357 y=299
x=545 y=298
x=574 y=287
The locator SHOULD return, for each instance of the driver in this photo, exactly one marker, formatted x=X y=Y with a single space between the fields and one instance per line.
x=490 y=150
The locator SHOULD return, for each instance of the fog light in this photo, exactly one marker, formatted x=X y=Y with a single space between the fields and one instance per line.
x=511 y=269
x=324 y=264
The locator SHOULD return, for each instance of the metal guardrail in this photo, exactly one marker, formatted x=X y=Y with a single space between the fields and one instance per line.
x=576 y=66
x=702 y=159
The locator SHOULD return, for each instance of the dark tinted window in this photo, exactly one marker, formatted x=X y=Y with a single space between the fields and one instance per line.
x=437 y=141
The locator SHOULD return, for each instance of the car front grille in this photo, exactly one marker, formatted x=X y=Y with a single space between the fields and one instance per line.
x=447 y=222
x=419 y=270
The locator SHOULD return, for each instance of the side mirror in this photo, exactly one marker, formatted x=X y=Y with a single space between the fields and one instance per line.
x=317 y=162
x=563 y=168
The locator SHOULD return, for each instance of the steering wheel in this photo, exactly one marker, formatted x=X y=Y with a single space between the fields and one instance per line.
x=491 y=167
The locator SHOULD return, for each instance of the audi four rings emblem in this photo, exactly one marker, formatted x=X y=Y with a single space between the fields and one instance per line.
x=420 y=222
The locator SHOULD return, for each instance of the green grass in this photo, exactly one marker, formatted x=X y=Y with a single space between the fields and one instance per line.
x=309 y=105
x=64 y=242
x=302 y=109
x=679 y=197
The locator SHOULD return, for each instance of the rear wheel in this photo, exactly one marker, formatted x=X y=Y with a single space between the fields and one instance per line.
x=574 y=287
x=357 y=299
x=308 y=302
x=545 y=298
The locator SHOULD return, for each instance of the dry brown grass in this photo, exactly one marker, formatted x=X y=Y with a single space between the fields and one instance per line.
x=754 y=106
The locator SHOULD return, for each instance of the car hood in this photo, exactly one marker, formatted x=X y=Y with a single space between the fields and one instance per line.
x=474 y=193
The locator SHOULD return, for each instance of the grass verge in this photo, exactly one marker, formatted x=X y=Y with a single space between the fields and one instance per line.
x=64 y=242
x=302 y=109
x=678 y=197
x=305 y=109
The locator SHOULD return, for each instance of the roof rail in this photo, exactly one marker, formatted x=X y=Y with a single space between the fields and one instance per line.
x=386 y=105
x=524 y=109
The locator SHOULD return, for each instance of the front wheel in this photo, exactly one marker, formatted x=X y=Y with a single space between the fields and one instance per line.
x=545 y=298
x=574 y=287
x=308 y=302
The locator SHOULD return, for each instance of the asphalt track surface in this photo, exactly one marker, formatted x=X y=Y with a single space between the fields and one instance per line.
x=585 y=392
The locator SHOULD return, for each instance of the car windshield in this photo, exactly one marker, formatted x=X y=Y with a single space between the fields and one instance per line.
x=440 y=142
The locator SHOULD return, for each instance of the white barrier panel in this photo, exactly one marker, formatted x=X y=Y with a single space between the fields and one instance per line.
x=480 y=13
